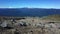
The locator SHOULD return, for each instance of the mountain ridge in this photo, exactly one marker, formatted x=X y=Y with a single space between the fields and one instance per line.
x=28 y=12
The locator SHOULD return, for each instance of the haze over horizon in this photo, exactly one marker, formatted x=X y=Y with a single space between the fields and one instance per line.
x=51 y=7
x=30 y=4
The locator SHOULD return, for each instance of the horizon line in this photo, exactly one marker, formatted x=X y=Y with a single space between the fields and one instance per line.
x=26 y=7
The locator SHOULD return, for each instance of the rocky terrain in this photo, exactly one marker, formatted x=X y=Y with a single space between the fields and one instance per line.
x=30 y=25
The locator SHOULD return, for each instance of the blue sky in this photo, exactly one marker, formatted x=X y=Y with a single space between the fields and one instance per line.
x=30 y=3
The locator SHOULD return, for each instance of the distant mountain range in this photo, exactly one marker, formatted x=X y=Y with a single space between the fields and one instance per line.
x=28 y=12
